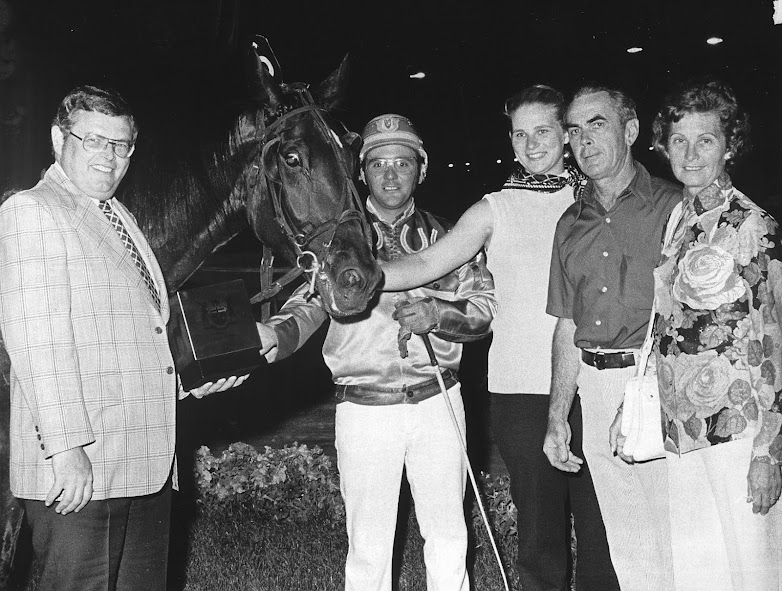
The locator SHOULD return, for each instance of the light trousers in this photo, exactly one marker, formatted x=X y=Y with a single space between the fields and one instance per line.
x=718 y=543
x=374 y=445
x=633 y=498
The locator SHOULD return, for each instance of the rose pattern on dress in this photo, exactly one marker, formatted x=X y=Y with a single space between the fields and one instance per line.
x=717 y=338
x=704 y=380
x=707 y=278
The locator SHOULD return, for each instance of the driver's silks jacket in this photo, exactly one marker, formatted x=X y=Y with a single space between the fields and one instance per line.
x=363 y=349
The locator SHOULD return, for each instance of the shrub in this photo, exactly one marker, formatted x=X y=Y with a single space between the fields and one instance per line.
x=294 y=482
x=499 y=507
x=300 y=483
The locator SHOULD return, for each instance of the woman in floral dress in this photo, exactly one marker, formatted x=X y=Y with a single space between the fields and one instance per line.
x=718 y=349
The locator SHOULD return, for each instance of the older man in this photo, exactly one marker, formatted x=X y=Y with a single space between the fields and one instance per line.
x=391 y=416
x=83 y=311
x=606 y=247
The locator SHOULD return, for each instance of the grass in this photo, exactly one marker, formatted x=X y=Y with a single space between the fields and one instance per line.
x=235 y=549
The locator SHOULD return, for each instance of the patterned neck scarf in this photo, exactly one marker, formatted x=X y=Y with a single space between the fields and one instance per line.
x=548 y=183
x=714 y=195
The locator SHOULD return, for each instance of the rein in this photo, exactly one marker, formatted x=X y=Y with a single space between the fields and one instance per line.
x=350 y=206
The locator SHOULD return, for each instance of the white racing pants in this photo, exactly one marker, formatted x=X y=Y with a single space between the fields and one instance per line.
x=374 y=444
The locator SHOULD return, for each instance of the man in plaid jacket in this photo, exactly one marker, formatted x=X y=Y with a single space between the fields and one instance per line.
x=83 y=312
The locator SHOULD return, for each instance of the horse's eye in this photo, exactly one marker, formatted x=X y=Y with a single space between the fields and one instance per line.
x=292 y=159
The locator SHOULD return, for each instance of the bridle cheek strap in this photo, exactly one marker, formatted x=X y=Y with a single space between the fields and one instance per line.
x=350 y=208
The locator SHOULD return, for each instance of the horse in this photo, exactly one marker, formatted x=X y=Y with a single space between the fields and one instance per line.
x=284 y=168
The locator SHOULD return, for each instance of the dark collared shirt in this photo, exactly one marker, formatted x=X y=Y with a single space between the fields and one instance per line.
x=602 y=263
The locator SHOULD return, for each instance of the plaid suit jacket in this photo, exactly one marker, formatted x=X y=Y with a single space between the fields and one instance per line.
x=90 y=361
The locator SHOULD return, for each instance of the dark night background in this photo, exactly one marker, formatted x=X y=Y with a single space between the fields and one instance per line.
x=176 y=61
x=167 y=56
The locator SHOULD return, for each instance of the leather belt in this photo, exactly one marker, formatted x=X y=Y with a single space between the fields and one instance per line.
x=376 y=396
x=601 y=360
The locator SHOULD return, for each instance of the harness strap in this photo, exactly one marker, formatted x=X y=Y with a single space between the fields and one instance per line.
x=267 y=272
x=350 y=207
x=274 y=288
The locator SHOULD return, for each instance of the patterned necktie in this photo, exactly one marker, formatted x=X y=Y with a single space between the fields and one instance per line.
x=134 y=253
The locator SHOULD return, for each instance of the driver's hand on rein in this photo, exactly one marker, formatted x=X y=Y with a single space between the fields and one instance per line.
x=419 y=315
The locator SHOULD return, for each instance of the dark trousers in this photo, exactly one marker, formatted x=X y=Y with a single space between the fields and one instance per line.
x=545 y=498
x=111 y=545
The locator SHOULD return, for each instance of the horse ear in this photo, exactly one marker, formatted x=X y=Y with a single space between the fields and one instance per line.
x=264 y=83
x=332 y=90
x=353 y=140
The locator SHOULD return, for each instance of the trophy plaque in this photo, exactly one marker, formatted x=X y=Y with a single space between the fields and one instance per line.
x=212 y=333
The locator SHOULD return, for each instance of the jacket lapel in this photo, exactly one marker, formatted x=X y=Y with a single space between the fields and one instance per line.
x=148 y=255
x=90 y=221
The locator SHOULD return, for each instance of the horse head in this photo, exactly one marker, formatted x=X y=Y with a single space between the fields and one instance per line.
x=302 y=182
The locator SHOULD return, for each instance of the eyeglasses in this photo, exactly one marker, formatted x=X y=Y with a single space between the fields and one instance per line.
x=93 y=142
x=402 y=166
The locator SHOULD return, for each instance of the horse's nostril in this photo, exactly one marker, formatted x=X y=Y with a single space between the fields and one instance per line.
x=350 y=279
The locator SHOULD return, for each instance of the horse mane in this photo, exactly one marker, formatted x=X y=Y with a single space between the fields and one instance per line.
x=184 y=168
x=175 y=183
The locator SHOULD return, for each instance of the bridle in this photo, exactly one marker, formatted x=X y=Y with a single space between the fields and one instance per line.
x=350 y=208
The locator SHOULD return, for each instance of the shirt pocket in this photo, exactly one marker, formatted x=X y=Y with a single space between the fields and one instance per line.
x=636 y=283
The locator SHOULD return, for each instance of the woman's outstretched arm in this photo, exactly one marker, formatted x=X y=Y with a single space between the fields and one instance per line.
x=472 y=232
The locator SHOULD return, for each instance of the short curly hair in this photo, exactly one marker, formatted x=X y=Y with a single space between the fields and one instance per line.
x=92 y=98
x=704 y=95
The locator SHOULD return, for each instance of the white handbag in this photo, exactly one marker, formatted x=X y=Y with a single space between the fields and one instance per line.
x=641 y=414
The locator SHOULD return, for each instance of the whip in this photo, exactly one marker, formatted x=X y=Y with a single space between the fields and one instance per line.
x=461 y=437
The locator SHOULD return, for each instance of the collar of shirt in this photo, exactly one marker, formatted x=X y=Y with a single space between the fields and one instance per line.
x=403 y=217
x=640 y=186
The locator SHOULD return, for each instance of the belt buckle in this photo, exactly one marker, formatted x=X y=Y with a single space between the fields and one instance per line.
x=600 y=360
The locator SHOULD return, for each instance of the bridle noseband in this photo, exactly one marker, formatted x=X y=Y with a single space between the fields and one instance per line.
x=350 y=209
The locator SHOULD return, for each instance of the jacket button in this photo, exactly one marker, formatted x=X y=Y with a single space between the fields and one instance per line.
x=158 y=330
x=436 y=285
x=410 y=393
x=169 y=370
x=36 y=428
x=39 y=436
x=43 y=446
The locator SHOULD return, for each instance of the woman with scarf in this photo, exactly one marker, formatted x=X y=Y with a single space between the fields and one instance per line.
x=718 y=350
x=516 y=226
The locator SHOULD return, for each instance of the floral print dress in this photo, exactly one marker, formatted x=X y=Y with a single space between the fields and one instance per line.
x=717 y=338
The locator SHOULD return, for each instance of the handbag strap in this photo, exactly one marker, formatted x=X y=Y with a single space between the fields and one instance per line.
x=670 y=230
